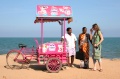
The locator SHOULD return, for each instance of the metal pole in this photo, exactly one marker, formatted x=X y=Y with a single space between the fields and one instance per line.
x=61 y=28
x=41 y=33
x=64 y=36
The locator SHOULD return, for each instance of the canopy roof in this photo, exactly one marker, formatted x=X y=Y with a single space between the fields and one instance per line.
x=53 y=13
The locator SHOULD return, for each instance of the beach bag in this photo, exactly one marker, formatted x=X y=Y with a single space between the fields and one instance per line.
x=81 y=64
x=77 y=55
x=80 y=55
x=84 y=64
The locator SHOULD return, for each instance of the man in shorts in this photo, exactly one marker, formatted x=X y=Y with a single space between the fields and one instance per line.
x=70 y=39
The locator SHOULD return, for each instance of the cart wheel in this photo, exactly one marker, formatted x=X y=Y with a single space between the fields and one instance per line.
x=14 y=59
x=53 y=65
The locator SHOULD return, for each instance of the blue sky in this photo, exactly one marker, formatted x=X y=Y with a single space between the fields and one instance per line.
x=17 y=17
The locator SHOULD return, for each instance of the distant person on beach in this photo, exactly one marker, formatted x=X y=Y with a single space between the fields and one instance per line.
x=97 y=39
x=70 y=39
x=83 y=42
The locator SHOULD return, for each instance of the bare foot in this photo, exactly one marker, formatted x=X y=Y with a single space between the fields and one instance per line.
x=93 y=69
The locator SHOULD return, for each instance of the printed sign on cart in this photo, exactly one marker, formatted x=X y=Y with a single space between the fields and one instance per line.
x=44 y=48
x=44 y=10
x=60 y=48
x=51 y=47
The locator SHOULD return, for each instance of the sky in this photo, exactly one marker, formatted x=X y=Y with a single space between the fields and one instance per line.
x=17 y=17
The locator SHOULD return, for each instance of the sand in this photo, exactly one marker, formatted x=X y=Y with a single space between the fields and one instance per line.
x=111 y=70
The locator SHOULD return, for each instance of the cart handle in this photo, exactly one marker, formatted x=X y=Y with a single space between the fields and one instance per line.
x=36 y=41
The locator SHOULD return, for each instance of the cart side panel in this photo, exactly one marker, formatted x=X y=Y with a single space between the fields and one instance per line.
x=54 y=49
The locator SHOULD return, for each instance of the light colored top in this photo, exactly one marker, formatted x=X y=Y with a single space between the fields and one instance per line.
x=96 y=40
x=70 y=40
x=96 y=37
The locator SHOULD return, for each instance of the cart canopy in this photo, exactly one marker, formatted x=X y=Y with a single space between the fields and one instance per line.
x=47 y=13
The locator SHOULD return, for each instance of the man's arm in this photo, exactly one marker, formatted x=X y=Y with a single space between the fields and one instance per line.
x=89 y=38
x=75 y=44
x=62 y=38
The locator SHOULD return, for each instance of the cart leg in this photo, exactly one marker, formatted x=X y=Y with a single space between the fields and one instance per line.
x=41 y=33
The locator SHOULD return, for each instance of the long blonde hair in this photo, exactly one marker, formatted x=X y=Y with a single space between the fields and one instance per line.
x=96 y=27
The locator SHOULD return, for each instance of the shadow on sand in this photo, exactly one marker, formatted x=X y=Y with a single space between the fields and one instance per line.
x=39 y=67
x=78 y=66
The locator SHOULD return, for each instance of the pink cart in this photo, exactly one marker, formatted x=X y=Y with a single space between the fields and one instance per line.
x=51 y=54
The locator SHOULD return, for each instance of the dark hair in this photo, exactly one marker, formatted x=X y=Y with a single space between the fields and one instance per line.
x=68 y=28
x=84 y=28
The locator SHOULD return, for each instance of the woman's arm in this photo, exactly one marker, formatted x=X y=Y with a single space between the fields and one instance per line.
x=75 y=40
x=91 y=31
x=79 y=41
x=90 y=38
x=101 y=38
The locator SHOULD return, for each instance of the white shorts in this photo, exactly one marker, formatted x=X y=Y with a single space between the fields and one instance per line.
x=71 y=51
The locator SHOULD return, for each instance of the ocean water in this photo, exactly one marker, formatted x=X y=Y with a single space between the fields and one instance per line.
x=110 y=46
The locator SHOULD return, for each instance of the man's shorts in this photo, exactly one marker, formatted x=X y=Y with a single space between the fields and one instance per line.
x=71 y=51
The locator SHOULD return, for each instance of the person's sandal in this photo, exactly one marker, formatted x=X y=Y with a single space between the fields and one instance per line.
x=101 y=70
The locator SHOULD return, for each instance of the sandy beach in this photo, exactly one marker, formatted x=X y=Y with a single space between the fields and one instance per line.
x=111 y=70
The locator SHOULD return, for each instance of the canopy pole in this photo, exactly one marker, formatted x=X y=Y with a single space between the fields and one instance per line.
x=41 y=33
x=64 y=36
x=61 y=28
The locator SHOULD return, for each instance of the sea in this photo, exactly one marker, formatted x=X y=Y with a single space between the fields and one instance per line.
x=110 y=45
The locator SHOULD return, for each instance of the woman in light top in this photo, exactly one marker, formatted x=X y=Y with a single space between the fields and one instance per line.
x=97 y=39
